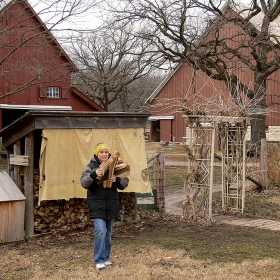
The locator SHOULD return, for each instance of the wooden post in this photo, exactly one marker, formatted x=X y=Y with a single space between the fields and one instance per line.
x=9 y=152
x=243 y=174
x=134 y=201
x=264 y=162
x=160 y=182
x=211 y=172
x=16 y=168
x=28 y=185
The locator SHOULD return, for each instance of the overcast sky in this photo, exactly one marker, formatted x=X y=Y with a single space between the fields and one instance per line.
x=84 y=19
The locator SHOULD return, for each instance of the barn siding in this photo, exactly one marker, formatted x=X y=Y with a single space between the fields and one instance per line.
x=41 y=58
x=165 y=130
x=197 y=88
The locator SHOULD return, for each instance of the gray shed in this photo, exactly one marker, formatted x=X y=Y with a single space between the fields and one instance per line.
x=12 y=205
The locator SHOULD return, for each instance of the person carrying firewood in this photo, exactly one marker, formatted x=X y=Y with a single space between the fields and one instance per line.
x=103 y=200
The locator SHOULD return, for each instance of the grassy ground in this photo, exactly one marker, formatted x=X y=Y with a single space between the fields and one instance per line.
x=157 y=247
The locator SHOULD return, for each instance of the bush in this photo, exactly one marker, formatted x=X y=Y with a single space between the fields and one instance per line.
x=273 y=165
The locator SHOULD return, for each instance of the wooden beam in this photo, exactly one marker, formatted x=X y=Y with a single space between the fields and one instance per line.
x=89 y=122
x=16 y=132
x=160 y=182
x=28 y=185
x=41 y=120
x=15 y=174
x=19 y=160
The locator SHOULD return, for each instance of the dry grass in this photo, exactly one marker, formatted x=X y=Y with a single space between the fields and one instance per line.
x=152 y=249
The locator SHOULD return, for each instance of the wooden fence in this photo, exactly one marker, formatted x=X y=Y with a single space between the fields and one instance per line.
x=156 y=173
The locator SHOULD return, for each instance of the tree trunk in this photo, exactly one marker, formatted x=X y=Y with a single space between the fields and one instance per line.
x=257 y=130
x=258 y=119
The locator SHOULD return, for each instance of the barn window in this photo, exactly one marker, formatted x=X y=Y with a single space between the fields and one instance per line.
x=53 y=92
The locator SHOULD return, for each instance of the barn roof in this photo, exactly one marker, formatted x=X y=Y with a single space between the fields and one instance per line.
x=87 y=99
x=35 y=120
x=7 y=3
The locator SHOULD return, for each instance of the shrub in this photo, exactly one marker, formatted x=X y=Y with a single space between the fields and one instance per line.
x=273 y=165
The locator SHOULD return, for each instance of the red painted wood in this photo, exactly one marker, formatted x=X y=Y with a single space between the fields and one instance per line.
x=39 y=58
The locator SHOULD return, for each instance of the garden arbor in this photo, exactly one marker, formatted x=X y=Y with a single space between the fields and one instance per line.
x=201 y=146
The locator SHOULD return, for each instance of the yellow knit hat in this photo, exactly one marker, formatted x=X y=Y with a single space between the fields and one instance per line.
x=101 y=146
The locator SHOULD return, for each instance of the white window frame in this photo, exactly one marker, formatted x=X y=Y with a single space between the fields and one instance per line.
x=53 y=92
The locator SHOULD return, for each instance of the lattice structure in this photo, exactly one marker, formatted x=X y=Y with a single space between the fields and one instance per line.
x=199 y=180
x=198 y=183
x=233 y=146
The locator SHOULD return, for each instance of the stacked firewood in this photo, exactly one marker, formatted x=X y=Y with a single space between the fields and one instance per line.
x=127 y=206
x=57 y=215
x=54 y=215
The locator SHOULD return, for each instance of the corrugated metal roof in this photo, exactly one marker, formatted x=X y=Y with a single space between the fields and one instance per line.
x=8 y=189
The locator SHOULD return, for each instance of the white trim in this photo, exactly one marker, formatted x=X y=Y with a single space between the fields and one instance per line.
x=36 y=107
x=156 y=118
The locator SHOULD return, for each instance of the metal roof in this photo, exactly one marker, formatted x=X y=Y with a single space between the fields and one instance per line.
x=36 y=107
x=8 y=189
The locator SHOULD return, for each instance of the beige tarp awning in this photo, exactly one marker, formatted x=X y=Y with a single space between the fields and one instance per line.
x=65 y=152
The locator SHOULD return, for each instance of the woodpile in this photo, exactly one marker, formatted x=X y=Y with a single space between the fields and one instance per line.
x=57 y=215
x=128 y=202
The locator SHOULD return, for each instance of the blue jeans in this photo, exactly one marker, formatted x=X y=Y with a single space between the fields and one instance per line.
x=102 y=239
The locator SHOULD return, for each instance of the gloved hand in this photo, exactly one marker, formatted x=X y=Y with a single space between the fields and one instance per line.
x=118 y=180
x=93 y=175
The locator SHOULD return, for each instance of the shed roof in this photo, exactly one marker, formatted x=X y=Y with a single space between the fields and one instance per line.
x=8 y=189
x=34 y=120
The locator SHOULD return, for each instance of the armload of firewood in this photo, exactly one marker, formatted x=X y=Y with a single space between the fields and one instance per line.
x=113 y=166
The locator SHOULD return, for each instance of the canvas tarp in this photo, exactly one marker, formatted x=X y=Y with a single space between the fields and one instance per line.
x=65 y=152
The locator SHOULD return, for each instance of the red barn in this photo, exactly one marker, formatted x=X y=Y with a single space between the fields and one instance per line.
x=184 y=84
x=35 y=72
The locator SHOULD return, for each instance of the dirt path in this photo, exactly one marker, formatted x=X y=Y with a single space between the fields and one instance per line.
x=173 y=202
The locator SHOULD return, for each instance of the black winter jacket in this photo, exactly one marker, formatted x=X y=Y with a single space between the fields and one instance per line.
x=102 y=202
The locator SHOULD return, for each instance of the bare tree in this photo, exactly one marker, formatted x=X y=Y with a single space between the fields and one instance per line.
x=192 y=32
x=111 y=60
x=133 y=98
x=24 y=60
